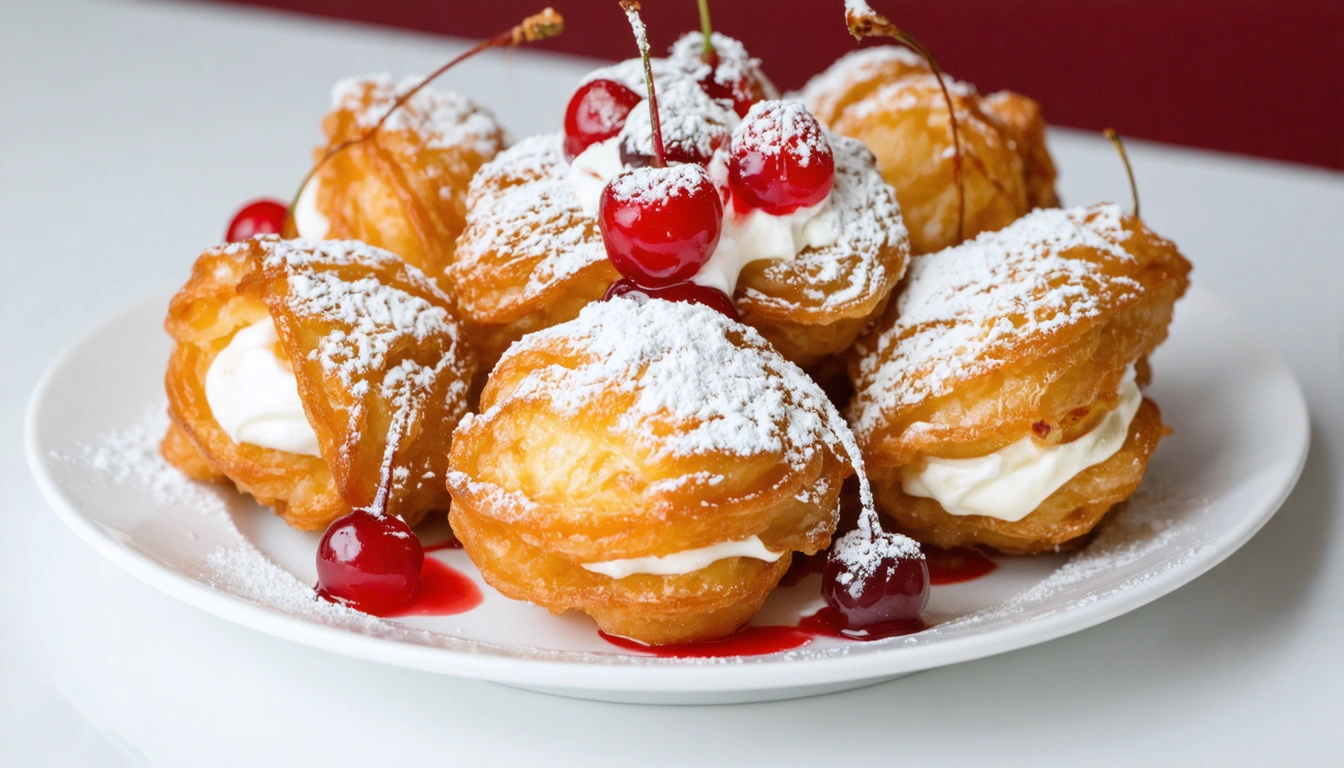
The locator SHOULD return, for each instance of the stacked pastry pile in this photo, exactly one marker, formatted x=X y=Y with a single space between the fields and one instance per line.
x=601 y=352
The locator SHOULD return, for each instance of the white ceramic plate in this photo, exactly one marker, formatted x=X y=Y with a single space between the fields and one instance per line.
x=1240 y=441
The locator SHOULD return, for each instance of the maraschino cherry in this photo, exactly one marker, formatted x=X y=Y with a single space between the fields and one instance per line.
x=259 y=217
x=596 y=112
x=660 y=224
x=779 y=159
x=369 y=561
x=742 y=92
x=691 y=293
x=890 y=587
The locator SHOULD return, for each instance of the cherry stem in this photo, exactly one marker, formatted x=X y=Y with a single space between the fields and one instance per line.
x=536 y=27
x=706 y=29
x=631 y=8
x=1129 y=171
x=865 y=22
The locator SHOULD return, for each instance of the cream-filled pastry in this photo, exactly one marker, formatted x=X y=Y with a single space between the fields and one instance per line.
x=310 y=372
x=998 y=401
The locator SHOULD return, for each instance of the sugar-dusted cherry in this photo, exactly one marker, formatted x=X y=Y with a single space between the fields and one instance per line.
x=369 y=561
x=259 y=217
x=660 y=225
x=779 y=159
x=873 y=577
x=690 y=293
x=596 y=112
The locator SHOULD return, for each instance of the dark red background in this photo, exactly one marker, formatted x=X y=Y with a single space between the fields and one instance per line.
x=1252 y=76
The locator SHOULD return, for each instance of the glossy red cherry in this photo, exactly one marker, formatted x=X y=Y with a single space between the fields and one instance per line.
x=691 y=293
x=370 y=562
x=871 y=578
x=596 y=112
x=259 y=217
x=780 y=160
x=660 y=224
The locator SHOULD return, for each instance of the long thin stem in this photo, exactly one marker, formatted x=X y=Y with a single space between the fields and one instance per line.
x=863 y=21
x=1129 y=170
x=631 y=8
x=706 y=29
x=538 y=26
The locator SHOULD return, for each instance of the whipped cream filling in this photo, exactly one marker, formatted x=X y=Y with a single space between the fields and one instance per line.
x=254 y=396
x=307 y=219
x=685 y=561
x=748 y=234
x=1011 y=482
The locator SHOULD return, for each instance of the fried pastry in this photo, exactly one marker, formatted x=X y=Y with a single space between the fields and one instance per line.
x=888 y=98
x=309 y=373
x=998 y=403
x=652 y=464
x=532 y=254
x=403 y=189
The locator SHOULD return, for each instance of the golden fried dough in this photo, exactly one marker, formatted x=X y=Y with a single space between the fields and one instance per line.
x=404 y=189
x=1069 y=514
x=888 y=98
x=644 y=430
x=378 y=364
x=1027 y=331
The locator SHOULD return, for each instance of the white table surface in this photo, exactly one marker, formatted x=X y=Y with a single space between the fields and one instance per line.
x=131 y=131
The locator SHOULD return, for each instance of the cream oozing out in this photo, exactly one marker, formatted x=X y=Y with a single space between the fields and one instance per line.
x=685 y=561
x=254 y=396
x=308 y=220
x=1011 y=482
x=748 y=234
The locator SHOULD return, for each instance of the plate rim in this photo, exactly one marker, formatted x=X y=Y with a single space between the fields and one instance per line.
x=650 y=674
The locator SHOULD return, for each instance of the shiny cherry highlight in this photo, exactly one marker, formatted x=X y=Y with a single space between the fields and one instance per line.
x=660 y=225
x=596 y=112
x=688 y=292
x=259 y=217
x=894 y=589
x=779 y=159
x=369 y=562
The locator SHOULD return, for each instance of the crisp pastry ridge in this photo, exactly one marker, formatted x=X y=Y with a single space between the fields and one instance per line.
x=404 y=188
x=889 y=98
x=377 y=356
x=1023 y=331
x=643 y=430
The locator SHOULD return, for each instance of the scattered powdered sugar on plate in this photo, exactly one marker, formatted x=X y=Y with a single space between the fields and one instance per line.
x=441 y=119
x=1150 y=524
x=130 y=457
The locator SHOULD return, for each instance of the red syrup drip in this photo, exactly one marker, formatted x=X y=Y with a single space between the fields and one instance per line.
x=760 y=641
x=829 y=622
x=953 y=566
x=442 y=545
x=443 y=591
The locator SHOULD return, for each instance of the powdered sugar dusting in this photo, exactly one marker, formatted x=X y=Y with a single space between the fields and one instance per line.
x=695 y=388
x=961 y=310
x=370 y=320
x=657 y=185
x=442 y=119
x=523 y=208
x=130 y=457
x=690 y=120
x=770 y=126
